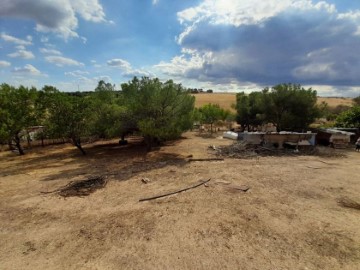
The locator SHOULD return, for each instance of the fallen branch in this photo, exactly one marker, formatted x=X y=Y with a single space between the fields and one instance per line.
x=265 y=148
x=313 y=167
x=326 y=162
x=174 y=192
x=205 y=159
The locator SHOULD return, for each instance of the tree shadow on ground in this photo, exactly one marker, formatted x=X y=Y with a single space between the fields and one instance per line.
x=117 y=162
x=207 y=135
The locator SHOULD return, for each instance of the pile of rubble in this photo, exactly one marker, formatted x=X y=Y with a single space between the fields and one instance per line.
x=238 y=149
x=241 y=149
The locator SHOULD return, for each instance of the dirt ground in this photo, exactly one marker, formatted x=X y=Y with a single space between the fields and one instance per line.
x=290 y=217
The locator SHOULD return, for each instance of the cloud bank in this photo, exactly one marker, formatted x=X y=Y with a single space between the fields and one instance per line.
x=267 y=42
x=127 y=70
x=58 y=16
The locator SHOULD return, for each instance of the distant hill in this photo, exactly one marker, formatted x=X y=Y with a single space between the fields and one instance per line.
x=226 y=99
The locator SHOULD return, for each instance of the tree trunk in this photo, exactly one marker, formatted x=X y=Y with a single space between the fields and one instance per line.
x=18 y=145
x=28 y=140
x=11 y=146
x=148 y=141
x=77 y=143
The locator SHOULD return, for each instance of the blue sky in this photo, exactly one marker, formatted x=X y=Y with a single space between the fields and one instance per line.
x=224 y=45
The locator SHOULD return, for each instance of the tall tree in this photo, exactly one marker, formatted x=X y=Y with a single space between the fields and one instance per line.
x=349 y=118
x=69 y=117
x=289 y=106
x=249 y=109
x=16 y=113
x=162 y=111
x=357 y=100
x=107 y=112
x=211 y=113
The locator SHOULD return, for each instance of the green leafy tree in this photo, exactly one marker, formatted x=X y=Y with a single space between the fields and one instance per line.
x=109 y=113
x=357 y=100
x=69 y=117
x=211 y=113
x=349 y=118
x=161 y=111
x=289 y=106
x=249 y=109
x=42 y=104
x=16 y=113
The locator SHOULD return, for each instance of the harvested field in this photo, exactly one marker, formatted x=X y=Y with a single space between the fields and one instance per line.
x=225 y=100
x=336 y=101
x=265 y=212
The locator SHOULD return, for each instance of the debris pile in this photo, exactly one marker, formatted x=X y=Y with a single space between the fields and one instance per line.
x=82 y=188
x=242 y=149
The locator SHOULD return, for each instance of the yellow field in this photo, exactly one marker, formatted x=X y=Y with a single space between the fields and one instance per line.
x=333 y=102
x=225 y=100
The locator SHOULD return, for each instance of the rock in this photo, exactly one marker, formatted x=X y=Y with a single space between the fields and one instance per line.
x=145 y=180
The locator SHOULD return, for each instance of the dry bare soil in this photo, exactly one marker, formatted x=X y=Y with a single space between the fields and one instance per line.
x=290 y=218
x=225 y=100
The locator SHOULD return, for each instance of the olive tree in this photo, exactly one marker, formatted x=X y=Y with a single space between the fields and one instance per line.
x=161 y=111
x=17 y=112
x=69 y=117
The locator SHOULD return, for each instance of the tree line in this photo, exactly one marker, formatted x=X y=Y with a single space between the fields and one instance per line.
x=157 y=110
x=290 y=107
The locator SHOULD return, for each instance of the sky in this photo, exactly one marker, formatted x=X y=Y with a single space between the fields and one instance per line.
x=223 y=45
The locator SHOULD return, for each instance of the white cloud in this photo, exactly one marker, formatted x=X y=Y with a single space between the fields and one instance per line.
x=44 y=39
x=62 y=61
x=49 y=51
x=155 y=2
x=263 y=43
x=119 y=63
x=127 y=69
x=245 y=12
x=22 y=54
x=15 y=40
x=20 y=47
x=84 y=39
x=58 y=16
x=90 y=10
x=4 y=64
x=138 y=73
x=27 y=69
x=76 y=73
x=179 y=65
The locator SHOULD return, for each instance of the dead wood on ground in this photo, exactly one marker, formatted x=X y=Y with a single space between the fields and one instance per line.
x=81 y=188
x=174 y=192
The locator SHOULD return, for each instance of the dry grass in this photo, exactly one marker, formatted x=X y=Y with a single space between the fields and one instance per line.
x=225 y=100
x=336 y=101
x=288 y=218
